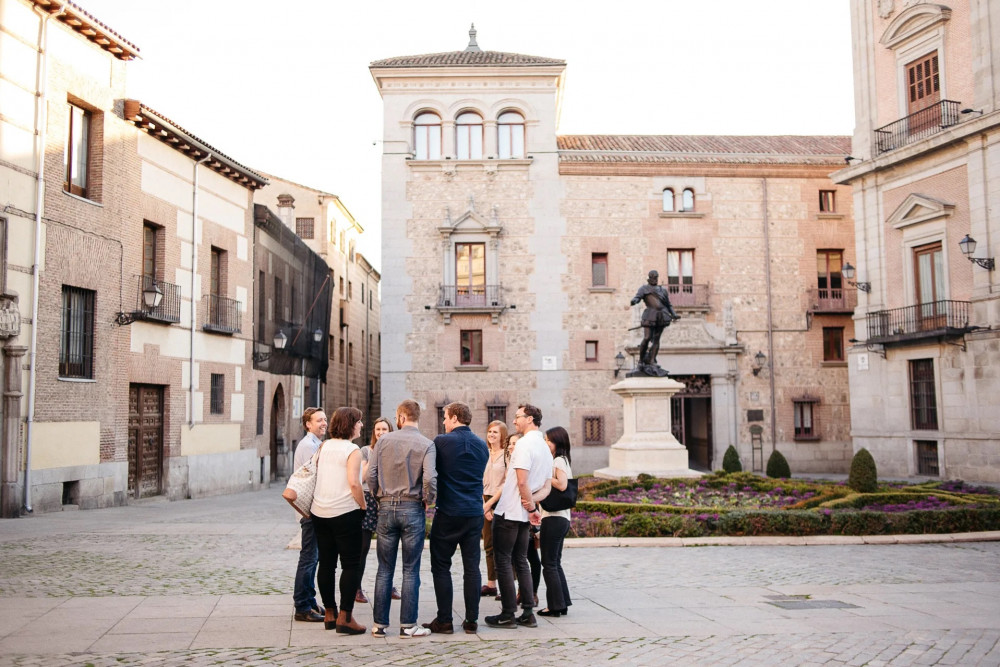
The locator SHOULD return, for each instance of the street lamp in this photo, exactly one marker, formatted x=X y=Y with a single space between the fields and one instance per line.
x=848 y=271
x=280 y=339
x=758 y=362
x=619 y=363
x=152 y=295
x=968 y=246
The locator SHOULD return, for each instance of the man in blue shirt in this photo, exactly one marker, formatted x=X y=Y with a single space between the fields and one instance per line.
x=458 y=520
x=306 y=607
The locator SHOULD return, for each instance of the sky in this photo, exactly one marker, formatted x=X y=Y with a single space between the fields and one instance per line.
x=284 y=87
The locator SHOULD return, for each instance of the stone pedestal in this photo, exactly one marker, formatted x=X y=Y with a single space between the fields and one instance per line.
x=647 y=445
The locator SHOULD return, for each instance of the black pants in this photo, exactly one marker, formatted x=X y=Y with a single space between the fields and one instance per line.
x=339 y=536
x=554 y=529
x=534 y=562
x=447 y=534
x=510 y=553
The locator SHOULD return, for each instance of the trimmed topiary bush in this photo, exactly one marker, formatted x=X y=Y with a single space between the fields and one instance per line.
x=731 y=461
x=863 y=477
x=777 y=466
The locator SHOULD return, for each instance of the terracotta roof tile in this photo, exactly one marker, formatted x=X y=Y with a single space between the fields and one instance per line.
x=466 y=59
x=82 y=21
x=703 y=148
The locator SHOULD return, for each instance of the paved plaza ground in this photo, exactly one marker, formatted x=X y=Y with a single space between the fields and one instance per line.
x=208 y=582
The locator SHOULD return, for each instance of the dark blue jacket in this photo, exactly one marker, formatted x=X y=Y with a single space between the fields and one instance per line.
x=461 y=461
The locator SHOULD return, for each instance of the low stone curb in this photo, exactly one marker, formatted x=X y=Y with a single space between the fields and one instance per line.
x=778 y=541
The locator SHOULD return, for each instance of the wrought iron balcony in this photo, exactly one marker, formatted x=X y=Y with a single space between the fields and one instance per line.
x=169 y=309
x=222 y=314
x=470 y=299
x=917 y=126
x=832 y=300
x=937 y=319
x=688 y=296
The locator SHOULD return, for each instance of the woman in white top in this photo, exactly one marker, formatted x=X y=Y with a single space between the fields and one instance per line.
x=555 y=526
x=493 y=479
x=337 y=510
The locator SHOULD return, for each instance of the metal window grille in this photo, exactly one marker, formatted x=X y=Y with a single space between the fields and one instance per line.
x=593 y=430
x=218 y=399
x=599 y=269
x=927 y=458
x=496 y=413
x=923 y=398
x=76 y=344
x=305 y=228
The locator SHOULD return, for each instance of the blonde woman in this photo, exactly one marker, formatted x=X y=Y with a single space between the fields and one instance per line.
x=493 y=478
x=370 y=523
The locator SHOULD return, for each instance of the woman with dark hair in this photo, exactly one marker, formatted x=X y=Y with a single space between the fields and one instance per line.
x=555 y=526
x=493 y=478
x=337 y=510
x=370 y=522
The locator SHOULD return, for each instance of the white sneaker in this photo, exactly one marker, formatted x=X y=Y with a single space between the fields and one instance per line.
x=414 y=631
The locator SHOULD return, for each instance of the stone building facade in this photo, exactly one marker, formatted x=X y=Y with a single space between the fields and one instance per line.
x=926 y=177
x=511 y=255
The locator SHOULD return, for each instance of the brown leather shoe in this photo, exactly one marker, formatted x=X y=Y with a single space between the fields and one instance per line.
x=487 y=591
x=395 y=594
x=439 y=627
x=346 y=625
x=360 y=597
x=308 y=616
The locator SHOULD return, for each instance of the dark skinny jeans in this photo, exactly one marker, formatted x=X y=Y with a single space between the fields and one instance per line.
x=554 y=530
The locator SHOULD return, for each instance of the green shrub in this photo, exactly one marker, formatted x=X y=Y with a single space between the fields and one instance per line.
x=777 y=466
x=894 y=497
x=765 y=522
x=863 y=477
x=731 y=461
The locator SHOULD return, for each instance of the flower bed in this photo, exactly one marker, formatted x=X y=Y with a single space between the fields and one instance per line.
x=745 y=504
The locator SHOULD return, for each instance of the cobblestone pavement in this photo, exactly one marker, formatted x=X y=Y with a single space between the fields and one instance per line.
x=208 y=582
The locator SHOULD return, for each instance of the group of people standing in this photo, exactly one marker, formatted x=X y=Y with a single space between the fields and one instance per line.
x=481 y=491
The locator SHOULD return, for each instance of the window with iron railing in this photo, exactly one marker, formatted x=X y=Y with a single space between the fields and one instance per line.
x=923 y=396
x=76 y=337
x=593 y=430
x=217 y=401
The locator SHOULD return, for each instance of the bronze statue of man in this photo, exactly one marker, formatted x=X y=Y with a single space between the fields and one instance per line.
x=655 y=318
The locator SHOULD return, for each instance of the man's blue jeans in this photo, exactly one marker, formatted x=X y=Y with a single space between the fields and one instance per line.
x=399 y=522
x=447 y=534
x=305 y=576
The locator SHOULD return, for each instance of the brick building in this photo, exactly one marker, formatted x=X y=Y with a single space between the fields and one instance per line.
x=511 y=255
x=137 y=375
x=926 y=177
x=326 y=226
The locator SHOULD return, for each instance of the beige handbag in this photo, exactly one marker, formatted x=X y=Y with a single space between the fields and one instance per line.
x=302 y=485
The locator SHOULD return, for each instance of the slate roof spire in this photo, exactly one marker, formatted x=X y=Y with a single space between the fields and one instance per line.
x=472 y=40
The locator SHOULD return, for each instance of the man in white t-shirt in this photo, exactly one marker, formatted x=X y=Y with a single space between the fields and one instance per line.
x=529 y=478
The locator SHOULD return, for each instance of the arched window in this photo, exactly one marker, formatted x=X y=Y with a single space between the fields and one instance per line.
x=668 y=200
x=427 y=136
x=510 y=135
x=469 y=136
x=687 y=200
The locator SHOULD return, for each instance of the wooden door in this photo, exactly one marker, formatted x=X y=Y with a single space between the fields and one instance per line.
x=928 y=262
x=145 y=440
x=923 y=91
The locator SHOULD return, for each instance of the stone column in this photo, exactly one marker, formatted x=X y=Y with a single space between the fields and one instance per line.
x=10 y=445
x=647 y=445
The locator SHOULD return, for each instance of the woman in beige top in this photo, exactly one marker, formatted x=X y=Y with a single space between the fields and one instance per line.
x=337 y=510
x=493 y=478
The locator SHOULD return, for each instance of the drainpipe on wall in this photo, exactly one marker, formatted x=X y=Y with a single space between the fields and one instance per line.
x=194 y=274
x=770 y=321
x=42 y=114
